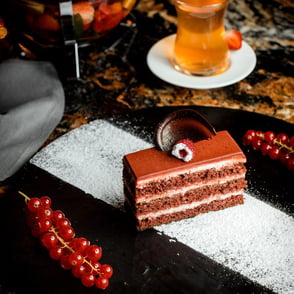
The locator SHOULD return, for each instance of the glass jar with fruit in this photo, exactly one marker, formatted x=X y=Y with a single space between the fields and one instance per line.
x=43 y=21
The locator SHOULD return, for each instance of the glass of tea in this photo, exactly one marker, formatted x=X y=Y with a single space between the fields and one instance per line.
x=200 y=47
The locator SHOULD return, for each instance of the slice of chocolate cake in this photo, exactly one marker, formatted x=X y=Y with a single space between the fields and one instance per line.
x=160 y=188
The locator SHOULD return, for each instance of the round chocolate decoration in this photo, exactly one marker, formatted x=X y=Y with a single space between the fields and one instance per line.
x=182 y=124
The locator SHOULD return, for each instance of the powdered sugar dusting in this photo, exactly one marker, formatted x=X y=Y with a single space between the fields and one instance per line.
x=90 y=158
x=254 y=239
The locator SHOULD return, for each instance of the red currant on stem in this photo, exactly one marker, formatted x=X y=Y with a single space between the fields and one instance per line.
x=79 y=270
x=88 y=280
x=56 y=252
x=106 y=271
x=57 y=215
x=282 y=138
x=101 y=282
x=248 y=137
x=269 y=137
x=49 y=240
x=46 y=201
x=34 y=204
x=94 y=252
x=75 y=259
x=57 y=235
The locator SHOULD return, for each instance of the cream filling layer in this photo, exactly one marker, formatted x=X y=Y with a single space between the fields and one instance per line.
x=188 y=206
x=173 y=192
x=141 y=183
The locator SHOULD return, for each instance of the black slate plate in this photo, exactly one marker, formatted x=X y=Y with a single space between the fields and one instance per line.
x=144 y=262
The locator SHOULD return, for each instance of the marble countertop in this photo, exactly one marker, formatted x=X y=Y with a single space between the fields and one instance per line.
x=115 y=76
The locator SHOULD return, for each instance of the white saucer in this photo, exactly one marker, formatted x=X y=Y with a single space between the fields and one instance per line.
x=243 y=62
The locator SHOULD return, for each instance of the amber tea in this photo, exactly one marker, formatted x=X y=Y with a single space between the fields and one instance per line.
x=200 y=47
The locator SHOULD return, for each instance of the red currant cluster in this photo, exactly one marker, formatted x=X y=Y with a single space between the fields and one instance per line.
x=57 y=235
x=279 y=146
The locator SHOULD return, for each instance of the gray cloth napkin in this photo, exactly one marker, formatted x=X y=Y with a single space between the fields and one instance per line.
x=31 y=105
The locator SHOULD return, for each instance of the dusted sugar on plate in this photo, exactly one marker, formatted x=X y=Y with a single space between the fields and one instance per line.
x=192 y=170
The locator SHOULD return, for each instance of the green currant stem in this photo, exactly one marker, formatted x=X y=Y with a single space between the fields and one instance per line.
x=27 y=198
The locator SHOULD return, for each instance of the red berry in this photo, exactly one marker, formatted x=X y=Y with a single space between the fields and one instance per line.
x=256 y=144
x=284 y=157
x=106 y=271
x=44 y=225
x=66 y=233
x=101 y=283
x=62 y=223
x=94 y=252
x=274 y=152
x=57 y=215
x=56 y=252
x=248 y=137
x=34 y=204
x=95 y=265
x=269 y=136
x=64 y=262
x=282 y=138
x=88 y=280
x=78 y=271
x=184 y=149
x=46 y=201
x=49 y=240
x=76 y=259
x=265 y=147
x=79 y=244
x=45 y=212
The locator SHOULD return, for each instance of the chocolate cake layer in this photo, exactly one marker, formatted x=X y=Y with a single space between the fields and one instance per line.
x=149 y=222
x=188 y=196
x=162 y=185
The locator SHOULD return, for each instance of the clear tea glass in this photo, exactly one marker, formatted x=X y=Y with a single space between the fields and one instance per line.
x=200 y=47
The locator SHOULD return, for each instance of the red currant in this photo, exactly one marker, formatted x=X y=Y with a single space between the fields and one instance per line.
x=79 y=244
x=284 y=157
x=88 y=280
x=44 y=225
x=78 y=271
x=274 y=152
x=56 y=252
x=34 y=204
x=94 y=252
x=45 y=212
x=282 y=138
x=57 y=215
x=265 y=147
x=269 y=136
x=67 y=233
x=46 y=201
x=106 y=271
x=49 y=240
x=101 y=283
x=76 y=259
x=256 y=144
x=62 y=223
x=64 y=262
x=248 y=137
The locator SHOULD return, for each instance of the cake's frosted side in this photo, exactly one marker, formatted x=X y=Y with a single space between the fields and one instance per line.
x=160 y=188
